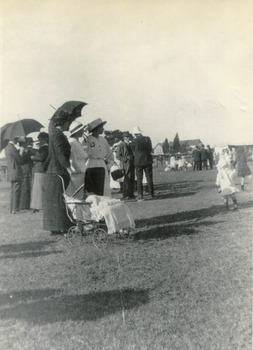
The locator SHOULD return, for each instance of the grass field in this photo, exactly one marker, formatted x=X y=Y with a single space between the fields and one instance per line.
x=184 y=281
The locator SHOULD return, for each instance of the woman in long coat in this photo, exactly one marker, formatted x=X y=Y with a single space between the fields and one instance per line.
x=55 y=218
x=242 y=167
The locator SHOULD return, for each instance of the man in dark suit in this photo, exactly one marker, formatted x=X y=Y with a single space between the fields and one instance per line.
x=14 y=163
x=210 y=156
x=196 y=156
x=142 y=148
x=204 y=155
x=125 y=154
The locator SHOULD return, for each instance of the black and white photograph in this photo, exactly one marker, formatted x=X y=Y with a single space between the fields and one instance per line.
x=126 y=160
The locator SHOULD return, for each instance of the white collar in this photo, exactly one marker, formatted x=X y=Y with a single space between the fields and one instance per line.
x=14 y=144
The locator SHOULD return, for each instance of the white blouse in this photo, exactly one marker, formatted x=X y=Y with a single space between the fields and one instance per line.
x=99 y=152
x=78 y=156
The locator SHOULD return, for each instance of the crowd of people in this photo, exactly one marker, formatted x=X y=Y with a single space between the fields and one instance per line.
x=202 y=157
x=84 y=159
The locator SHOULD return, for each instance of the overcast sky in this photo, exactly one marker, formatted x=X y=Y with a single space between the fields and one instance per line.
x=167 y=66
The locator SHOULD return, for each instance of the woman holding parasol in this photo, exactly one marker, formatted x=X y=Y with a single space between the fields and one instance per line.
x=54 y=212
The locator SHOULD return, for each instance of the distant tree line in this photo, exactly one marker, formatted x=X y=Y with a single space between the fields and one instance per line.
x=175 y=147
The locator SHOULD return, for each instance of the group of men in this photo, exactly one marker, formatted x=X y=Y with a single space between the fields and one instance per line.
x=136 y=156
x=201 y=157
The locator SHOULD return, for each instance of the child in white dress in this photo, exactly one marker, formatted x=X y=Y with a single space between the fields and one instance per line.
x=226 y=179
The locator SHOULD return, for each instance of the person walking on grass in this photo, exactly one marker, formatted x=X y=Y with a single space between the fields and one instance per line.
x=226 y=179
x=142 y=148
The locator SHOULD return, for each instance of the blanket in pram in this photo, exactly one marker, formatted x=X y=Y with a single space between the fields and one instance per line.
x=116 y=214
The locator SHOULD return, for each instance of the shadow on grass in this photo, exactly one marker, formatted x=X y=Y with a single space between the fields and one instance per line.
x=176 y=189
x=25 y=247
x=27 y=295
x=29 y=254
x=86 y=307
x=174 y=194
x=160 y=227
x=163 y=231
x=177 y=184
x=26 y=250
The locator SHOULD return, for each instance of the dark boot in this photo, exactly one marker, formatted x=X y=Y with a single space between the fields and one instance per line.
x=242 y=187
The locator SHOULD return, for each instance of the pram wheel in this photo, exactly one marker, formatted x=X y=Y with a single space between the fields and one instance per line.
x=100 y=238
x=74 y=235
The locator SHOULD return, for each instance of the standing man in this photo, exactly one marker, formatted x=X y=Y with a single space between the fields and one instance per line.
x=15 y=173
x=196 y=156
x=204 y=154
x=142 y=148
x=125 y=154
x=210 y=156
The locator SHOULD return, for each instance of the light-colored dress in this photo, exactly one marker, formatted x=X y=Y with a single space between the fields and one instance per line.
x=173 y=163
x=226 y=176
x=100 y=155
x=78 y=158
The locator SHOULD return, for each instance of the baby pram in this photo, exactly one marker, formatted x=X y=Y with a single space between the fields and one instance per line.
x=97 y=216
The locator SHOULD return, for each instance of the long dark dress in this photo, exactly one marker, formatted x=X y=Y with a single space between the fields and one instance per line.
x=54 y=211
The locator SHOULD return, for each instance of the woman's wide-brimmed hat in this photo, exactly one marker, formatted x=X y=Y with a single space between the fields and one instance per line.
x=75 y=127
x=43 y=134
x=126 y=134
x=95 y=123
x=136 y=130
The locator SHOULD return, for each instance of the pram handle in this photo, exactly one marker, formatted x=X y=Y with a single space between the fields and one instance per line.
x=64 y=190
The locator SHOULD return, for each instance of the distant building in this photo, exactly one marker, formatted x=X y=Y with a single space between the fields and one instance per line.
x=158 y=150
x=187 y=144
x=191 y=143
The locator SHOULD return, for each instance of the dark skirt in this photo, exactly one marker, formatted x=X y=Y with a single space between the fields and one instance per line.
x=54 y=209
x=243 y=170
x=26 y=187
x=94 y=180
